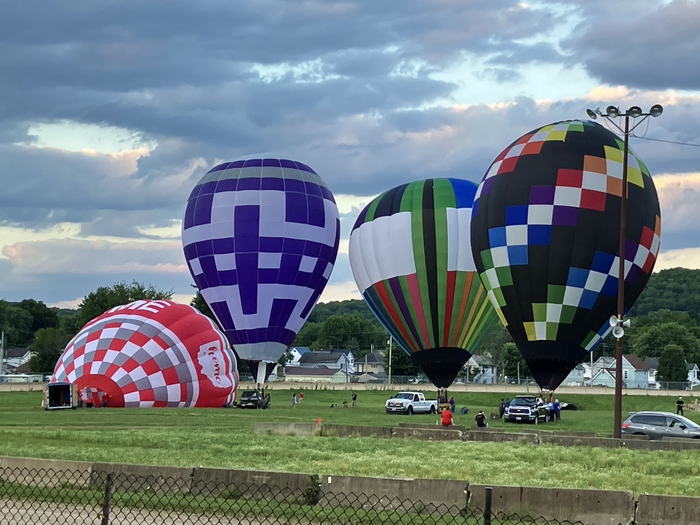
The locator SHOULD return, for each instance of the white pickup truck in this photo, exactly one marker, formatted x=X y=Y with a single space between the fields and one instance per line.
x=410 y=403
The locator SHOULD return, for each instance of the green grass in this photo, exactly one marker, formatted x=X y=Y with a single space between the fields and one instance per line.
x=224 y=438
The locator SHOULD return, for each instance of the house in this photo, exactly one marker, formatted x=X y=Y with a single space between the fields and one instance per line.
x=602 y=363
x=693 y=374
x=372 y=363
x=635 y=374
x=295 y=354
x=653 y=365
x=319 y=374
x=576 y=377
x=482 y=370
x=604 y=377
x=14 y=358
x=339 y=359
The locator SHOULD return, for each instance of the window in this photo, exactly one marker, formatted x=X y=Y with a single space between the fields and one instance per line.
x=625 y=374
x=657 y=421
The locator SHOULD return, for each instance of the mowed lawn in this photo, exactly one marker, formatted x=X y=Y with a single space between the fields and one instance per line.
x=225 y=438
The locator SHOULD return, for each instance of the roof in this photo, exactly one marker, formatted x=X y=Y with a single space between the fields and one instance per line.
x=652 y=362
x=13 y=353
x=636 y=363
x=691 y=366
x=319 y=371
x=322 y=356
x=482 y=360
x=604 y=362
x=374 y=357
x=301 y=350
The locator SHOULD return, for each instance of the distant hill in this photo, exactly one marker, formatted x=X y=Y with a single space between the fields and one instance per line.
x=675 y=289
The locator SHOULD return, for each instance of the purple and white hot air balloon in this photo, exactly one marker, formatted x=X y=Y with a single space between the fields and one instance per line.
x=261 y=237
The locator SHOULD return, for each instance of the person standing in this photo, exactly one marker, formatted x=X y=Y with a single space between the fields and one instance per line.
x=556 y=409
x=452 y=405
x=294 y=399
x=679 y=406
x=354 y=399
x=501 y=408
x=301 y=396
x=446 y=418
x=480 y=419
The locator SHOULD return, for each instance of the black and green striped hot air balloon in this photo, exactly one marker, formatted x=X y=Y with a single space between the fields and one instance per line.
x=410 y=253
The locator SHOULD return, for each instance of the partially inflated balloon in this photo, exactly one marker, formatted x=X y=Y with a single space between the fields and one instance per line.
x=546 y=234
x=411 y=259
x=152 y=354
x=260 y=237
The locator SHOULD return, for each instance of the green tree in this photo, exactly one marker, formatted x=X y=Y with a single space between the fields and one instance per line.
x=46 y=349
x=651 y=340
x=335 y=332
x=672 y=365
x=512 y=362
x=308 y=334
x=200 y=304
x=105 y=297
x=16 y=323
x=42 y=315
x=401 y=363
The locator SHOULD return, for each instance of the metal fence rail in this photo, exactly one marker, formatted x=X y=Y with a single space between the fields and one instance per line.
x=38 y=496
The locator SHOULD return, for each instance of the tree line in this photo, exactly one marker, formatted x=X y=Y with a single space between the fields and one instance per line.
x=665 y=325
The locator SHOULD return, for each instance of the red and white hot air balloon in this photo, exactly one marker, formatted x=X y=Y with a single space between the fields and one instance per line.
x=152 y=353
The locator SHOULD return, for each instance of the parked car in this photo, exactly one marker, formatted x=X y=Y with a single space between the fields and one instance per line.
x=527 y=409
x=660 y=424
x=252 y=399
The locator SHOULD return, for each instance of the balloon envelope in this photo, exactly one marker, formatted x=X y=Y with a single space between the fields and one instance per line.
x=152 y=354
x=411 y=259
x=546 y=234
x=261 y=237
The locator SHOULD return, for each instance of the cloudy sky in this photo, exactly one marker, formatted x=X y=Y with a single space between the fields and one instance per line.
x=112 y=110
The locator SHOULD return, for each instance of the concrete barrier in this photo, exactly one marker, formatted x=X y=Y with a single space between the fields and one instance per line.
x=667 y=510
x=285 y=429
x=502 y=437
x=46 y=472
x=355 y=431
x=591 y=507
x=474 y=428
x=573 y=441
x=446 y=496
x=143 y=477
x=423 y=425
x=428 y=434
x=214 y=481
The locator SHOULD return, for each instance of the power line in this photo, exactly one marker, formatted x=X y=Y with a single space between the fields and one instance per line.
x=666 y=141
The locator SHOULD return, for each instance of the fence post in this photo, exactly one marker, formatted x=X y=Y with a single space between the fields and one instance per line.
x=488 y=493
x=108 y=499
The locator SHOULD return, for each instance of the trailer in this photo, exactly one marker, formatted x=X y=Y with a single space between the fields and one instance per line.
x=60 y=396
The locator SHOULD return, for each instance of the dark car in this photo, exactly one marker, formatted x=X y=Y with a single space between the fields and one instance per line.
x=253 y=399
x=660 y=424
x=526 y=409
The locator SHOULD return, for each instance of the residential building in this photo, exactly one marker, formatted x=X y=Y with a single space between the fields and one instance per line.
x=653 y=365
x=635 y=374
x=295 y=354
x=319 y=374
x=14 y=358
x=372 y=363
x=576 y=377
x=693 y=374
x=482 y=370
x=340 y=359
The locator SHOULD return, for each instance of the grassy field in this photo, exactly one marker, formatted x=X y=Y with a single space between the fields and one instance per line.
x=224 y=438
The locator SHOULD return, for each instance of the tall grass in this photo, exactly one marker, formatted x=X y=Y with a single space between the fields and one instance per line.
x=225 y=438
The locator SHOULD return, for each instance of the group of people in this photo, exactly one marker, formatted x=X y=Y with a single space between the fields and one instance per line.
x=298 y=399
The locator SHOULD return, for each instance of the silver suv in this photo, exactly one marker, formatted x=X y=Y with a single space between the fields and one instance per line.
x=660 y=424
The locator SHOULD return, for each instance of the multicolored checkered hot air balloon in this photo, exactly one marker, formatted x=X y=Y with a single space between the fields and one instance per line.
x=546 y=235
x=152 y=354
x=411 y=258
x=260 y=237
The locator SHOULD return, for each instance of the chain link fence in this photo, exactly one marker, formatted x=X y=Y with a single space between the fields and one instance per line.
x=38 y=496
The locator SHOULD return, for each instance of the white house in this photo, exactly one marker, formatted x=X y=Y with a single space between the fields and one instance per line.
x=295 y=354
x=320 y=374
x=693 y=374
x=482 y=370
x=576 y=377
x=339 y=359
